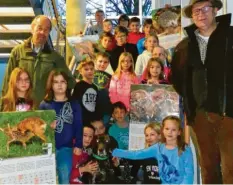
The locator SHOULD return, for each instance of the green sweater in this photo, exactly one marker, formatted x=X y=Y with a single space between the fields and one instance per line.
x=38 y=66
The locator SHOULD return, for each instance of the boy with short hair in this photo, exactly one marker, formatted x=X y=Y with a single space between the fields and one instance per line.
x=120 y=129
x=147 y=29
x=102 y=80
x=123 y=21
x=107 y=26
x=102 y=63
x=98 y=28
x=121 y=34
x=104 y=43
x=134 y=35
x=86 y=92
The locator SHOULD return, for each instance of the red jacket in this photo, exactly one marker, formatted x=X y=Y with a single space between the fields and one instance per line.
x=75 y=176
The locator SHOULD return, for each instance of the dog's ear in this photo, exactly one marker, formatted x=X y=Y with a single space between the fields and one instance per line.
x=107 y=138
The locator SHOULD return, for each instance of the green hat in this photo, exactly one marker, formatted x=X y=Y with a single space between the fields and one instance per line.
x=188 y=9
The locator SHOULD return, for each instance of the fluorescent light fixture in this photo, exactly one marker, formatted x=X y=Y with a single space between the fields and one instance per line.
x=18 y=26
x=4 y=55
x=13 y=11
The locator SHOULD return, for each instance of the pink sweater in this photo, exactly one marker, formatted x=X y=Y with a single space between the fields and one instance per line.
x=119 y=89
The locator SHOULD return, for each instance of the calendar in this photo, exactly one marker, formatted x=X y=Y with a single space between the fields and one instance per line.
x=30 y=170
x=27 y=148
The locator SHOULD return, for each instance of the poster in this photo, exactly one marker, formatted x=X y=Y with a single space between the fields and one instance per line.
x=149 y=103
x=82 y=46
x=27 y=148
x=167 y=22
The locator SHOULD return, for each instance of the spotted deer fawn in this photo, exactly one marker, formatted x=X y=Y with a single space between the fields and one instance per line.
x=25 y=130
x=14 y=134
x=35 y=125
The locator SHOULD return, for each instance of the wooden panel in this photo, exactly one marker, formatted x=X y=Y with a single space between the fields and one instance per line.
x=5 y=50
x=15 y=3
x=14 y=36
x=16 y=20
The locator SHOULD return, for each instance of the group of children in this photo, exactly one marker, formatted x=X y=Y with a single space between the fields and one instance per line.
x=85 y=112
x=173 y=158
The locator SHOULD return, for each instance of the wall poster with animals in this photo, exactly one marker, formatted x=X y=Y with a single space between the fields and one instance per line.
x=149 y=103
x=167 y=22
x=82 y=46
x=27 y=148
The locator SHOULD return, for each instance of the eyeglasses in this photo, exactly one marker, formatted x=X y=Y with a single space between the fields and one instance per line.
x=204 y=10
x=26 y=80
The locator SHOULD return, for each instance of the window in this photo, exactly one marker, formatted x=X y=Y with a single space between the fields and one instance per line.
x=114 y=8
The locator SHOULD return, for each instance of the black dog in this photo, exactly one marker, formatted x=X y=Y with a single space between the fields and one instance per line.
x=102 y=153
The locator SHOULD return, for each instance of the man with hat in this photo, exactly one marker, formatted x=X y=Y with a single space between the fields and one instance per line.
x=202 y=73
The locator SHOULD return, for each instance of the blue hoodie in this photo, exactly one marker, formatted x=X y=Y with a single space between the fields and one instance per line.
x=173 y=169
x=141 y=46
x=69 y=123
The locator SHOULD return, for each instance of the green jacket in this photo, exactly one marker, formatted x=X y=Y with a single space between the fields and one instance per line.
x=38 y=66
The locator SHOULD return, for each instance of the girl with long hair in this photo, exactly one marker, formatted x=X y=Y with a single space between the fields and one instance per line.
x=122 y=79
x=68 y=124
x=153 y=73
x=18 y=96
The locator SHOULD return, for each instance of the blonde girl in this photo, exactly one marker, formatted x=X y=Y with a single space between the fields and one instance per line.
x=172 y=134
x=148 y=172
x=174 y=156
x=19 y=94
x=122 y=79
x=152 y=132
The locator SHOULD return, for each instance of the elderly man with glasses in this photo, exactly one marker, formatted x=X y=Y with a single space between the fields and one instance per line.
x=37 y=58
x=202 y=73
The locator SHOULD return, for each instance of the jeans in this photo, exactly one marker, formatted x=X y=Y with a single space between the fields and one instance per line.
x=64 y=164
x=214 y=135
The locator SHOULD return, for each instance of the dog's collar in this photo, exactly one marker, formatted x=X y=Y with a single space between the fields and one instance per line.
x=100 y=158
